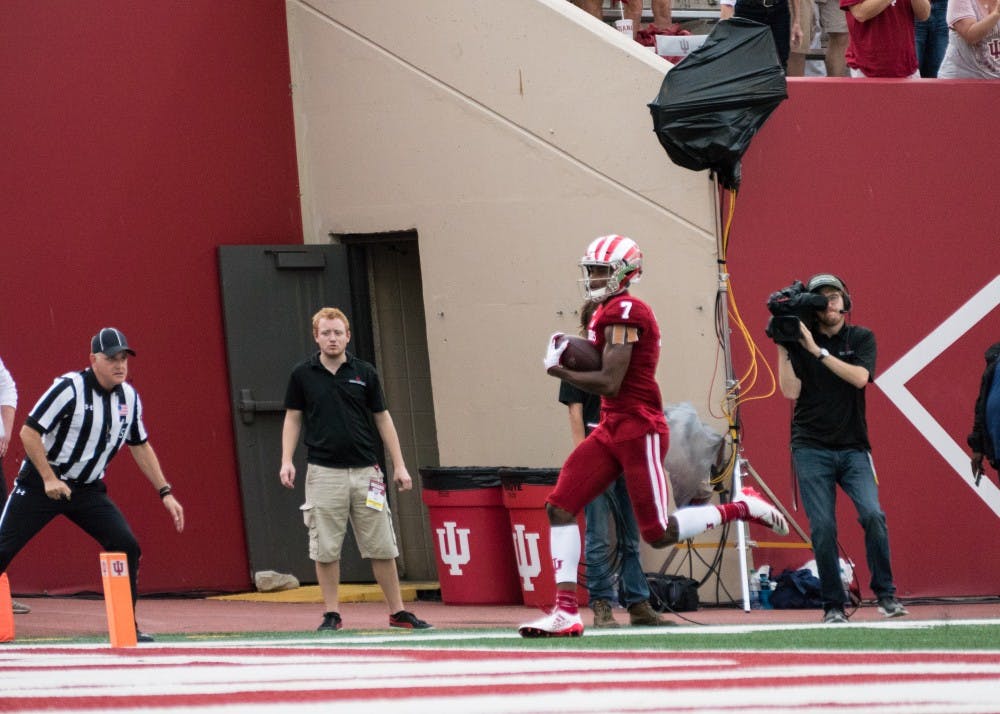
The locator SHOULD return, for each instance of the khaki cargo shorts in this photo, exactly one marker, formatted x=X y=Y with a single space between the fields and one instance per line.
x=336 y=496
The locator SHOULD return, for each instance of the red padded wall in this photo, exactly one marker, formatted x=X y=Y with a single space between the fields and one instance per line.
x=138 y=136
x=889 y=185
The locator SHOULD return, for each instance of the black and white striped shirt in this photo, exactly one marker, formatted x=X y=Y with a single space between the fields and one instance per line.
x=83 y=425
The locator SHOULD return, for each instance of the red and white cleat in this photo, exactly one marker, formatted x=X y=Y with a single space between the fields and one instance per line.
x=557 y=623
x=763 y=512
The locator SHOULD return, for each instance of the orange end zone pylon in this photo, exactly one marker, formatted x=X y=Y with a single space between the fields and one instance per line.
x=118 y=599
x=6 y=611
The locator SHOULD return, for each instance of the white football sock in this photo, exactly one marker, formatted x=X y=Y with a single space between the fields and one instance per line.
x=696 y=519
x=564 y=542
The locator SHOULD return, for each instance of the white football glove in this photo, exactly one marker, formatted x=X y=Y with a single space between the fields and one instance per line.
x=554 y=351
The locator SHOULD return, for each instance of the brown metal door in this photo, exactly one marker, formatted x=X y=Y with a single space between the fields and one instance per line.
x=269 y=295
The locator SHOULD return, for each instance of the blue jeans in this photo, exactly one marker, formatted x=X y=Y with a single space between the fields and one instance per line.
x=820 y=471
x=604 y=564
x=932 y=39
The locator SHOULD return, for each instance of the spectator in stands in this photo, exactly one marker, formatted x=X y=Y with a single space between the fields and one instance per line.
x=932 y=39
x=882 y=36
x=973 y=36
x=833 y=24
x=662 y=24
x=630 y=10
x=782 y=16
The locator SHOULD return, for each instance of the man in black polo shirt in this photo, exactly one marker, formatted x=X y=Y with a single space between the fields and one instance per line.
x=69 y=438
x=339 y=399
x=825 y=373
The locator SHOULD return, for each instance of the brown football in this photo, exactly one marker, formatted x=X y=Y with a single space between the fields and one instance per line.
x=579 y=355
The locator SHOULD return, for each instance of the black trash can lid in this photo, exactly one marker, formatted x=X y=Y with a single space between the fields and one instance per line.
x=459 y=478
x=530 y=476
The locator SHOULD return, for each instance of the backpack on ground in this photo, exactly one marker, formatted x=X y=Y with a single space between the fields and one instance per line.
x=796 y=589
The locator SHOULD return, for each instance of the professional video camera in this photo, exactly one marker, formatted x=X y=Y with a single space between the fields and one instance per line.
x=789 y=306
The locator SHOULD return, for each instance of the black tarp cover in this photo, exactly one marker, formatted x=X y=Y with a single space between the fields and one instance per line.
x=713 y=102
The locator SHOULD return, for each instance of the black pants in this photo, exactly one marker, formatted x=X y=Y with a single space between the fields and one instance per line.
x=778 y=17
x=28 y=510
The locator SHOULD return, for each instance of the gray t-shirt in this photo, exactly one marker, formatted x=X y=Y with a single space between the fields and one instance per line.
x=965 y=61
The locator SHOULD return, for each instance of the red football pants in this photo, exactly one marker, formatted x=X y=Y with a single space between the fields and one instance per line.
x=600 y=459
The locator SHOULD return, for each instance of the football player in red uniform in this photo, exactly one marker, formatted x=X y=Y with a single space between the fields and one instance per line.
x=632 y=437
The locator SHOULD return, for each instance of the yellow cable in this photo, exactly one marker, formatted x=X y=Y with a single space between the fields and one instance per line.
x=742 y=391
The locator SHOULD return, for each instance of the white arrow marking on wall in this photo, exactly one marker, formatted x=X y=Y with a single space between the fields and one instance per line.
x=893 y=383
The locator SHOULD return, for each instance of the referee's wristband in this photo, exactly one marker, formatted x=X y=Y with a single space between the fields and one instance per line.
x=166 y=491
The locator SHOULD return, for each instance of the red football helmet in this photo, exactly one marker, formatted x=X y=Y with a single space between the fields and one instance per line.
x=612 y=262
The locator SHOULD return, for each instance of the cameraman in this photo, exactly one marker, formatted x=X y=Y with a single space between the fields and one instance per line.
x=825 y=372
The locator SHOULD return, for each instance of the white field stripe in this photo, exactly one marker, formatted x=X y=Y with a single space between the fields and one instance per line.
x=935 y=693
x=217 y=674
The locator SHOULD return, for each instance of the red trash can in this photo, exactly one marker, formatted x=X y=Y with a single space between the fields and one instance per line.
x=524 y=494
x=471 y=533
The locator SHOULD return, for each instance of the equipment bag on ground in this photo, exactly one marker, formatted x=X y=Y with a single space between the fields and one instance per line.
x=672 y=593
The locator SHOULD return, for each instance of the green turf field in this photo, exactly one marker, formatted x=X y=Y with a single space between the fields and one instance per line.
x=892 y=636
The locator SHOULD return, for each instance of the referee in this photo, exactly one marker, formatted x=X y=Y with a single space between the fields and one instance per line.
x=69 y=437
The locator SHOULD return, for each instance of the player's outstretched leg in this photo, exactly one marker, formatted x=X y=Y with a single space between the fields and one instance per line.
x=760 y=511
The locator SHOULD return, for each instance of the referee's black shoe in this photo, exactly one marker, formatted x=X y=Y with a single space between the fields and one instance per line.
x=143 y=637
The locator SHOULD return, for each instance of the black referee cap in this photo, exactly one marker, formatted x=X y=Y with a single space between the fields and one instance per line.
x=110 y=341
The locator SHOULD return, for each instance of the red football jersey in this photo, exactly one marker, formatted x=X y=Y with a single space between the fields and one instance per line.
x=639 y=393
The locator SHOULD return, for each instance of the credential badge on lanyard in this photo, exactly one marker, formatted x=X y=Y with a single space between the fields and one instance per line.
x=376 y=492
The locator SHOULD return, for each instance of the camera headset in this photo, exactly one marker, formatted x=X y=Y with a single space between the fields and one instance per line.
x=823 y=280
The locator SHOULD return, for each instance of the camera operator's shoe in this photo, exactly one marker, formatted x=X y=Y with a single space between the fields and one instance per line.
x=557 y=623
x=891 y=607
x=603 y=616
x=762 y=512
x=834 y=616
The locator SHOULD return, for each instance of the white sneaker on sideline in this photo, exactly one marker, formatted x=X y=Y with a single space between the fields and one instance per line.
x=557 y=623
x=763 y=512
x=19 y=607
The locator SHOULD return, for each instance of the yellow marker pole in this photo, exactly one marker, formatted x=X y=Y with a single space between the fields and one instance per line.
x=118 y=599
x=6 y=611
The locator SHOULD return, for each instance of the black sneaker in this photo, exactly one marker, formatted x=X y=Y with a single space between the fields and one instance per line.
x=834 y=616
x=331 y=621
x=891 y=607
x=143 y=637
x=408 y=621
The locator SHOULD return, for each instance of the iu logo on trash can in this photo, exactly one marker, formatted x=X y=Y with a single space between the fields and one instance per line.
x=528 y=564
x=453 y=544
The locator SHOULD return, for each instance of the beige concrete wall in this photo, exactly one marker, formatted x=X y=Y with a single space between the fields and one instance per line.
x=508 y=134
